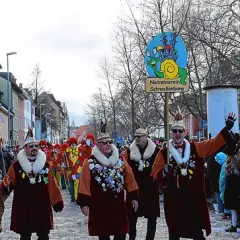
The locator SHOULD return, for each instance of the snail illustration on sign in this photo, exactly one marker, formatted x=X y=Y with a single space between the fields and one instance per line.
x=166 y=57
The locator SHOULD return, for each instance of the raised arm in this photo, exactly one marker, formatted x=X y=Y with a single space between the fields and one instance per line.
x=207 y=148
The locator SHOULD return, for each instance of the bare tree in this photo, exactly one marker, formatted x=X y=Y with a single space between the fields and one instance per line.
x=107 y=73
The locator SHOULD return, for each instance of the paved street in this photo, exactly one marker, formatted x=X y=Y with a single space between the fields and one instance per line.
x=71 y=225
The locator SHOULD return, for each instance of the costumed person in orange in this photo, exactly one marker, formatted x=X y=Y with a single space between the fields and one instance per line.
x=57 y=165
x=35 y=192
x=104 y=177
x=140 y=156
x=72 y=158
x=185 y=204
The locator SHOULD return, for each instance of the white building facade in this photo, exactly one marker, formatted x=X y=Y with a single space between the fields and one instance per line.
x=29 y=109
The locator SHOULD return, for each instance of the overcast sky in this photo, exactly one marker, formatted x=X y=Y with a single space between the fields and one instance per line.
x=67 y=38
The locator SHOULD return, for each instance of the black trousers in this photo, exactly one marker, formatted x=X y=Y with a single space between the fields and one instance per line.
x=116 y=237
x=41 y=236
x=198 y=236
x=151 y=227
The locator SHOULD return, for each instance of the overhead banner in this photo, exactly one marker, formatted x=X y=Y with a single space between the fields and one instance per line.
x=166 y=64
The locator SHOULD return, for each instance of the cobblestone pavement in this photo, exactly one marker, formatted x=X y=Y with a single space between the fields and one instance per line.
x=72 y=225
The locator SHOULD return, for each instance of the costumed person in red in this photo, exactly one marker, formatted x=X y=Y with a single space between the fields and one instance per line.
x=72 y=159
x=35 y=192
x=84 y=151
x=49 y=155
x=140 y=156
x=86 y=148
x=101 y=193
x=64 y=165
x=43 y=146
x=185 y=204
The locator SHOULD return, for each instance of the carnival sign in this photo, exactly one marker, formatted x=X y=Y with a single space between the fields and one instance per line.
x=166 y=62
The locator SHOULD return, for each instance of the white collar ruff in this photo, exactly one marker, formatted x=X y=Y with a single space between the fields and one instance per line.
x=176 y=155
x=36 y=167
x=135 y=154
x=112 y=160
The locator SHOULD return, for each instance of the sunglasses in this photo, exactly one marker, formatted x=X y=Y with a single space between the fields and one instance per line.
x=107 y=142
x=33 y=146
x=139 y=136
x=178 y=130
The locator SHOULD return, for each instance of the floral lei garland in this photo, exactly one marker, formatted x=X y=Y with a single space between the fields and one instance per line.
x=183 y=169
x=109 y=177
x=36 y=177
x=145 y=163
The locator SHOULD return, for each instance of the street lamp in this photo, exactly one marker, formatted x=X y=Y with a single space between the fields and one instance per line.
x=47 y=114
x=42 y=104
x=8 y=95
x=51 y=133
x=31 y=100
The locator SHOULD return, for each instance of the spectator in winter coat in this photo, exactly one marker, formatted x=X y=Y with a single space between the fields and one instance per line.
x=5 y=163
x=221 y=159
x=232 y=190
x=213 y=174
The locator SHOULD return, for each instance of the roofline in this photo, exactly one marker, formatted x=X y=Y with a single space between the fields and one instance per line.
x=17 y=88
x=221 y=87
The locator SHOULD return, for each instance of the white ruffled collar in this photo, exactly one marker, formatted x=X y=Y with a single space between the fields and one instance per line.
x=135 y=154
x=27 y=167
x=176 y=155
x=112 y=160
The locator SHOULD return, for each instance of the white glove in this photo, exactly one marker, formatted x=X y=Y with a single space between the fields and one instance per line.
x=63 y=165
x=74 y=177
x=88 y=142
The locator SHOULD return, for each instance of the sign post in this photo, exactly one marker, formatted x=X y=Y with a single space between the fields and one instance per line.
x=166 y=62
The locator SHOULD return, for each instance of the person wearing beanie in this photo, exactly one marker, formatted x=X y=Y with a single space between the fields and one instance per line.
x=35 y=192
x=221 y=158
x=222 y=186
x=140 y=156
x=182 y=178
x=105 y=176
